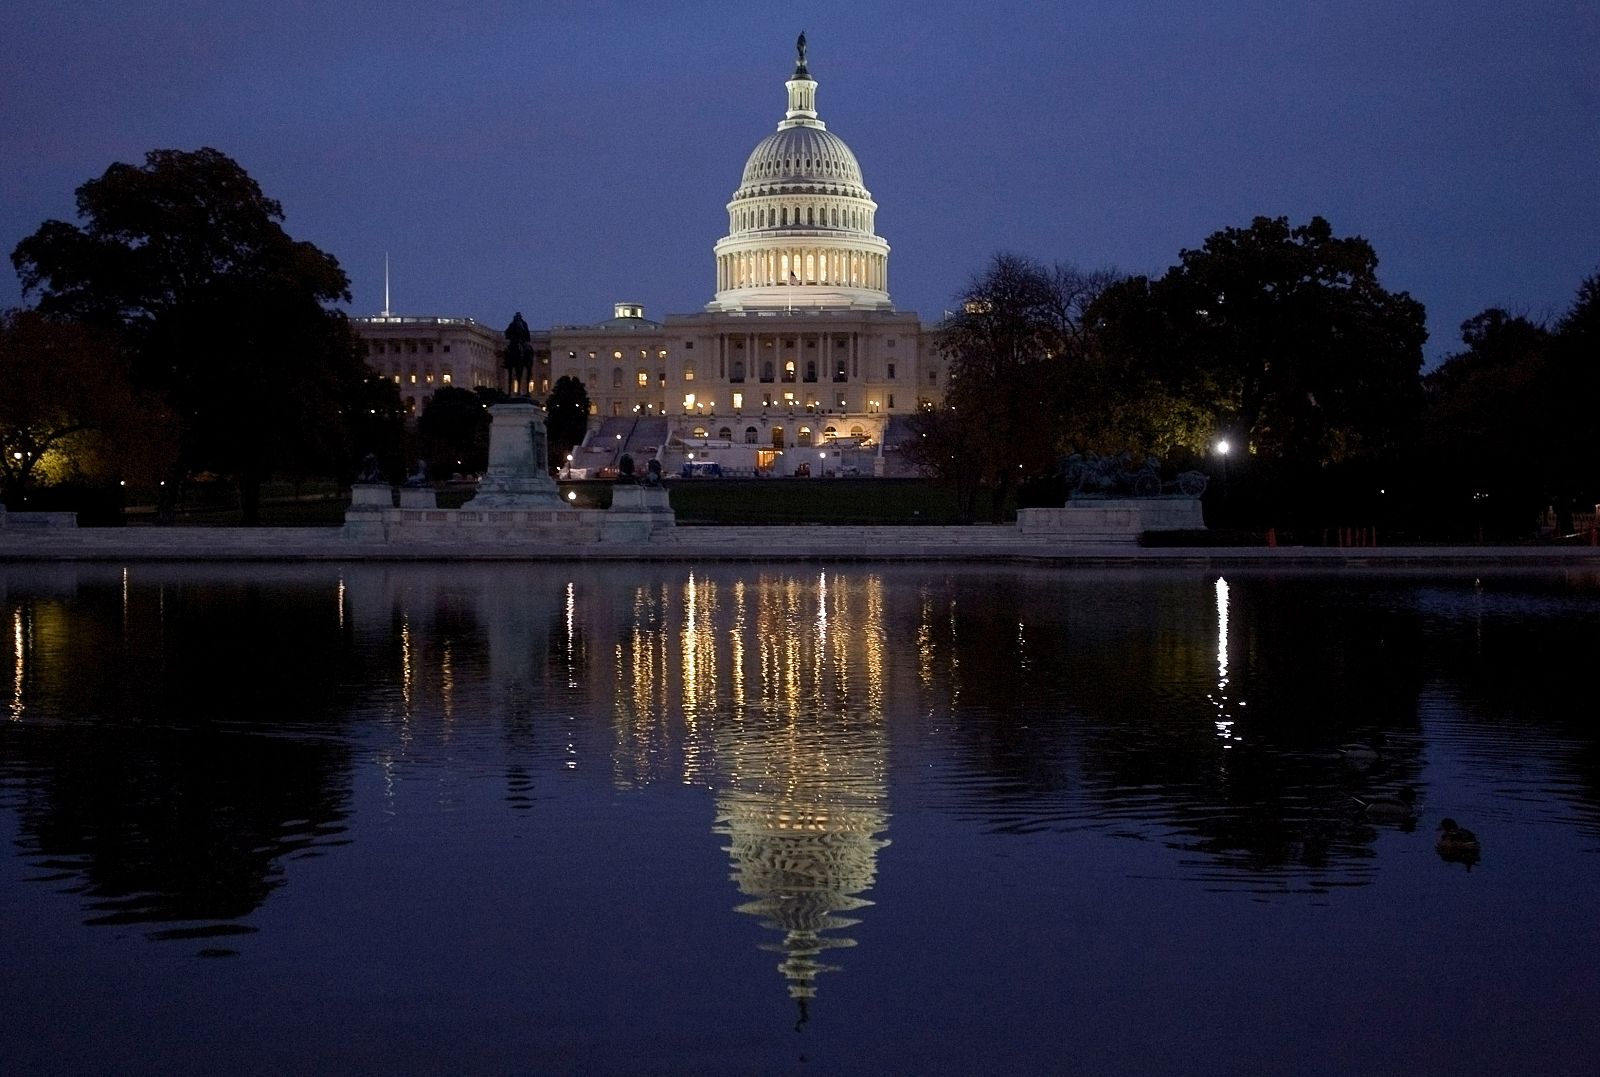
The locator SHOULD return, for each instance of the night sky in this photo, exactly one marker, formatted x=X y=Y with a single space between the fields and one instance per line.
x=554 y=158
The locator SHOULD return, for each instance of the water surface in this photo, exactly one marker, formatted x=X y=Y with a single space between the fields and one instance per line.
x=794 y=819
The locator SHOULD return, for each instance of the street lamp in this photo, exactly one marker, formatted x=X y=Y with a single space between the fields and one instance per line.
x=1223 y=448
x=569 y=465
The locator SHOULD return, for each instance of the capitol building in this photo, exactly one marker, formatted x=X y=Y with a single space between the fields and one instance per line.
x=798 y=362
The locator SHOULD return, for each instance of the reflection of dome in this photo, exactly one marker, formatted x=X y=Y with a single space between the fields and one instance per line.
x=800 y=226
x=802 y=819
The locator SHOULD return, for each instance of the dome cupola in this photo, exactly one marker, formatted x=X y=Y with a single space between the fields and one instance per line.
x=800 y=225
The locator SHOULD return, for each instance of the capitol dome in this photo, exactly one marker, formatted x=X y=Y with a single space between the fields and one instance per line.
x=800 y=225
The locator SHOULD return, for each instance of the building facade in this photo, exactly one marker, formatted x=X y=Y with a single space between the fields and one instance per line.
x=799 y=345
x=421 y=355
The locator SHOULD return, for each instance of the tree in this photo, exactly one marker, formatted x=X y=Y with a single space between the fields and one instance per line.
x=1280 y=337
x=1507 y=429
x=453 y=432
x=1017 y=330
x=566 y=416
x=68 y=410
x=220 y=310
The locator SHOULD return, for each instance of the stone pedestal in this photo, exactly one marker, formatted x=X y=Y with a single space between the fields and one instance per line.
x=418 y=497
x=363 y=521
x=637 y=514
x=519 y=461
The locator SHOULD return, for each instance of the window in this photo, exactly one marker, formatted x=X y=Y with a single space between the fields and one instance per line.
x=738 y=374
x=616 y=377
x=891 y=401
x=445 y=349
x=891 y=372
x=788 y=370
x=829 y=433
x=725 y=434
x=766 y=370
x=616 y=355
x=688 y=372
x=839 y=371
x=811 y=370
x=428 y=348
x=738 y=401
x=805 y=436
x=643 y=378
x=688 y=345
x=856 y=432
x=413 y=377
x=688 y=404
x=891 y=342
x=698 y=432
x=750 y=435
x=933 y=376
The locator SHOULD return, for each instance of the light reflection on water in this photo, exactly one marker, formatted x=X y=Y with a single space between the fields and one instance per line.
x=179 y=738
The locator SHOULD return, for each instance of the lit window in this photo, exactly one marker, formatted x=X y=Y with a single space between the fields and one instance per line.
x=688 y=402
x=616 y=355
x=738 y=400
x=688 y=372
x=644 y=378
x=445 y=377
x=428 y=378
x=413 y=379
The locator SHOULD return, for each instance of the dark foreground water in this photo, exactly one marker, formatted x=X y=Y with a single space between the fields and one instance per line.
x=787 y=819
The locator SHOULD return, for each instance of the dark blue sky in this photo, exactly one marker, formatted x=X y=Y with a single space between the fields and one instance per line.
x=555 y=157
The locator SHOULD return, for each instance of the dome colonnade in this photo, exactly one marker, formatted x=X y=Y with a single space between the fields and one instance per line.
x=800 y=225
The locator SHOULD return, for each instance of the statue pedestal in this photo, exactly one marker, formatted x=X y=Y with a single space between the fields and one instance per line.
x=363 y=520
x=519 y=474
x=418 y=497
x=637 y=514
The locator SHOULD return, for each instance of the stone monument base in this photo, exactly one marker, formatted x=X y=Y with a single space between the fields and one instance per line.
x=637 y=514
x=1112 y=521
x=517 y=477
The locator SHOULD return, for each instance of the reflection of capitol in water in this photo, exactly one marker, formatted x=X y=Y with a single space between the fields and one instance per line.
x=779 y=686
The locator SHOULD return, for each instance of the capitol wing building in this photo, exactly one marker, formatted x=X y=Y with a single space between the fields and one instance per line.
x=799 y=364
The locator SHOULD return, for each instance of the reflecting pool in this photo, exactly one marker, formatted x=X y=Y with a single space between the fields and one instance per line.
x=796 y=819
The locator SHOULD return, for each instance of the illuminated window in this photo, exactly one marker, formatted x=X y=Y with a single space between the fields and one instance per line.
x=688 y=372
x=643 y=378
x=616 y=355
x=804 y=437
x=688 y=402
x=699 y=432
x=738 y=400
x=428 y=378
x=445 y=377
x=413 y=378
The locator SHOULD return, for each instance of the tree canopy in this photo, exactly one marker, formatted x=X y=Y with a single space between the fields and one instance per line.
x=220 y=310
x=67 y=408
x=1010 y=347
x=1280 y=337
x=566 y=416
